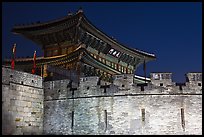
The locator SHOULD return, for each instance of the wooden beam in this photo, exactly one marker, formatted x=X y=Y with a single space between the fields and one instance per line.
x=94 y=43
x=100 y=47
x=130 y=59
x=124 y=57
x=103 y=46
x=83 y=36
x=90 y=41
x=85 y=39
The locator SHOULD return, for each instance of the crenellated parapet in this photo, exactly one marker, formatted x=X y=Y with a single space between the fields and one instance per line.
x=163 y=79
x=21 y=78
x=93 y=106
x=161 y=83
x=194 y=80
x=88 y=87
x=124 y=81
x=96 y=107
x=22 y=103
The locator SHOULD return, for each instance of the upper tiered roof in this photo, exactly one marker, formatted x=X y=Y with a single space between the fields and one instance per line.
x=77 y=23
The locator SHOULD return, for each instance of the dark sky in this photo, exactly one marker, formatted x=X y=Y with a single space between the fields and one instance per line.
x=171 y=31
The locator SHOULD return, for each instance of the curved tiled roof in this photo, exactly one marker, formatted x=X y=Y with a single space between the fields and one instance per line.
x=43 y=24
x=80 y=13
x=87 y=58
x=113 y=40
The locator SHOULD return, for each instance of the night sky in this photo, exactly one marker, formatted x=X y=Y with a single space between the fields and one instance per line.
x=171 y=31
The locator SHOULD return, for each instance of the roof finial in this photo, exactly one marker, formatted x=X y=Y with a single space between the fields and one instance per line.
x=70 y=13
x=80 y=10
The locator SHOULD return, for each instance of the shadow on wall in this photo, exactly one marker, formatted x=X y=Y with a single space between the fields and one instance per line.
x=8 y=126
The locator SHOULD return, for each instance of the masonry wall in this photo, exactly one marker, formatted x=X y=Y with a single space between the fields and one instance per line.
x=22 y=103
x=121 y=108
x=65 y=107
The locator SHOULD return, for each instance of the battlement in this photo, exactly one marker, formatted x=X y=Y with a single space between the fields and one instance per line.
x=22 y=103
x=115 y=108
x=164 y=79
x=19 y=77
x=89 y=80
x=190 y=77
x=121 y=85
x=194 y=80
x=194 y=76
x=93 y=106
x=124 y=81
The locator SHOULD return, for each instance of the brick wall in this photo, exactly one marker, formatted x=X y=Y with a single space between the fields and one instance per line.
x=119 y=109
x=22 y=103
x=30 y=106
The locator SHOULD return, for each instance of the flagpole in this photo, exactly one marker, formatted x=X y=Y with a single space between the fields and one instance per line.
x=41 y=70
x=144 y=67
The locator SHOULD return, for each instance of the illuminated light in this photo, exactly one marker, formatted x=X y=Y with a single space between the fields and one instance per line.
x=114 y=52
x=155 y=76
x=117 y=55
x=111 y=51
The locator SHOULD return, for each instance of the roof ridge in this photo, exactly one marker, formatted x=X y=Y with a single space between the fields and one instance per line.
x=48 y=22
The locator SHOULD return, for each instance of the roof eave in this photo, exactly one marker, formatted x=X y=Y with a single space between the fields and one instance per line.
x=114 y=41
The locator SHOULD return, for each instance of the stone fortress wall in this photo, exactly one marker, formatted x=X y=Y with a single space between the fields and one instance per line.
x=93 y=107
x=160 y=107
x=22 y=103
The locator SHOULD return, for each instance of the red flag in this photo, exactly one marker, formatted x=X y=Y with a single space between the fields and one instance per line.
x=34 y=63
x=13 y=56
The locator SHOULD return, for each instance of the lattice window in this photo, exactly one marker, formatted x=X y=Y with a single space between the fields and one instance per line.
x=122 y=68
x=125 y=70
x=119 y=67
x=115 y=66
x=129 y=71
x=108 y=63
x=99 y=58
x=103 y=60
x=112 y=64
